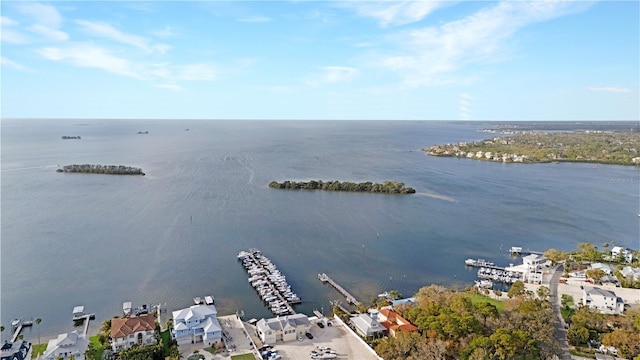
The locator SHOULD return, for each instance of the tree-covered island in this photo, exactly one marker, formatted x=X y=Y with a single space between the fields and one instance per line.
x=604 y=147
x=102 y=169
x=388 y=187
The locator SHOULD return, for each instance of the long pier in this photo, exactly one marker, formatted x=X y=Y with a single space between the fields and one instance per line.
x=326 y=279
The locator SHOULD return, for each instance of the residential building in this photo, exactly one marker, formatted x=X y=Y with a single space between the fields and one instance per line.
x=604 y=267
x=531 y=268
x=366 y=327
x=630 y=273
x=393 y=322
x=284 y=328
x=66 y=345
x=604 y=301
x=624 y=253
x=198 y=323
x=138 y=330
x=18 y=350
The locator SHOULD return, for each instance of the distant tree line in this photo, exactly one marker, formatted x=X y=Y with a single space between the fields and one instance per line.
x=102 y=169
x=388 y=187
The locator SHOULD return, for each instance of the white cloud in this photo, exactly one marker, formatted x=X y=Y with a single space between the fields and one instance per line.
x=49 y=33
x=334 y=74
x=167 y=32
x=12 y=64
x=41 y=14
x=612 y=89
x=433 y=54
x=13 y=37
x=464 y=108
x=5 y=21
x=394 y=13
x=255 y=19
x=171 y=86
x=89 y=55
x=109 y=32
x=190 y=72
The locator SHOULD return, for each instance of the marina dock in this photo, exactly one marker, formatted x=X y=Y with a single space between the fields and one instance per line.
x=269 y=282
x=326 y=279
x=80 y=316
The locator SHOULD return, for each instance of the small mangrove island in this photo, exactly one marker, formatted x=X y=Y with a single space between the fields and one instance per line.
x=591 y=146
x=388 y=187
x=67 y=137
x=102 y=169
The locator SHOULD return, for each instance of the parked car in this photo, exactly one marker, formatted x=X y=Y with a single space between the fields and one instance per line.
x=309 y=336
x=321 y=325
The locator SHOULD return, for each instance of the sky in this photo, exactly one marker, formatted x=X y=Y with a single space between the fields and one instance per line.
x=384 y=60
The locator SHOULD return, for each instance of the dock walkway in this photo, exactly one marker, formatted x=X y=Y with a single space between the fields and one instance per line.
x=22 y=325
x=350 y=298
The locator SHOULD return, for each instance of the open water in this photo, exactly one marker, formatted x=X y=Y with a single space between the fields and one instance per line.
x=98 y=240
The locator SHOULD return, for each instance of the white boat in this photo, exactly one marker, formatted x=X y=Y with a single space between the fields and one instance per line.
x=208 y=300
x=126 y=308
x=197 y=300
x=470 y=262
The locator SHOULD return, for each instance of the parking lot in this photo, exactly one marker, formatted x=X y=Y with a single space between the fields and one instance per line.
x=335 y=337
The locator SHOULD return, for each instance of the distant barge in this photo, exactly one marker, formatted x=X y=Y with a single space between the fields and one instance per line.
x=269 y=282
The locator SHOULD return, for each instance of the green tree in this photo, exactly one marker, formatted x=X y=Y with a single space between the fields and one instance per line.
x=517 y=289
x=543 y=292
x=595 y=274
x=577 y=335
x=555 y=255
x=38 y=321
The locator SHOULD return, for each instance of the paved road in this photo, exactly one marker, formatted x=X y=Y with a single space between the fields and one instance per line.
x=561 y=332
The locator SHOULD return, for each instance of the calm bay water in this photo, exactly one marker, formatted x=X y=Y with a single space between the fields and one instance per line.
x=94 y=240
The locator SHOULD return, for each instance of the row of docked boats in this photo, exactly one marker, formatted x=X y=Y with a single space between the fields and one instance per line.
x=269 y=282
x=497 y=275
x=478 y=263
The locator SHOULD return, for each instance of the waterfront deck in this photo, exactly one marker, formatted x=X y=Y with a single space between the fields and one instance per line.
x=326 y=279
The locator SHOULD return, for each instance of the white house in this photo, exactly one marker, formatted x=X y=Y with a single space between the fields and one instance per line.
x=66 y=345
x=630 y=272
x=18 y=350
x=198 y=323
x=285 y=328
x=604 y=267
x=626 y=254
x=365 y=326
x=604 y=301
x=126 y=332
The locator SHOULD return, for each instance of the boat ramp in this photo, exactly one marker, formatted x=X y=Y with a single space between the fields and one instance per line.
x=269 y=282
x=326 y=279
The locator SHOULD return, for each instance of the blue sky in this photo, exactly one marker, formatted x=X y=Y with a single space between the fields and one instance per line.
x=412 y=60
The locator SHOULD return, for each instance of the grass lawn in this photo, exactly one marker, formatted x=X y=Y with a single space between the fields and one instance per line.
x=478 y=298
x=248 y=356
x=37 y=349
x=96 y=345
x=166 y=340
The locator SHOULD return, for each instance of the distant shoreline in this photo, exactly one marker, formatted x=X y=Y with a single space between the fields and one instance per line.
x=102 y=169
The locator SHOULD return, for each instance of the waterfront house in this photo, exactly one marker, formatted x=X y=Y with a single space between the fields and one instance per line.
x=138 y=330
x=17 y=350
x=604 y=301
x=393 y=322
x=618 y=252
x=367 y=327
x=198 y=323
x=285 y=328
x=66 y=345
x=630 y=273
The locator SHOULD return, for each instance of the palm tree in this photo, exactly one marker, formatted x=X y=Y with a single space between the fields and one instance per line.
x=38 y=321
x=1 y=331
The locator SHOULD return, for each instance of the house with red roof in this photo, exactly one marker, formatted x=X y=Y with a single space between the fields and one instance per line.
x=393 y=322
x=126 y=332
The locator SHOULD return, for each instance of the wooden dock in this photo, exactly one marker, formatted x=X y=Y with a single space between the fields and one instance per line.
x=350 y=298
x=21 y=325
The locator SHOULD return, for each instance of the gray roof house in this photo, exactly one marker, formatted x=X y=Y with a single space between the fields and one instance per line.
x=365 y=326
x=285 y=328
x=66 y=345
x=604 y=301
